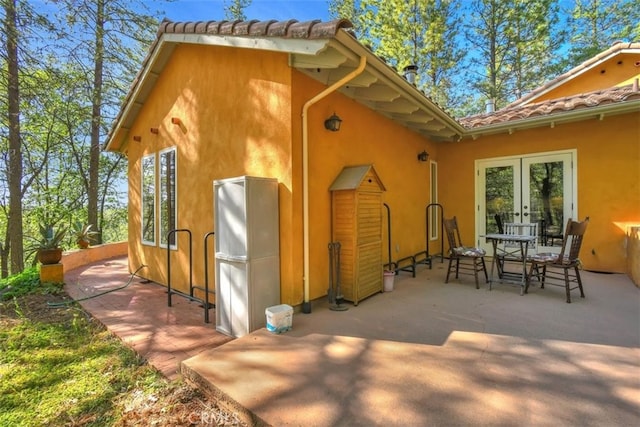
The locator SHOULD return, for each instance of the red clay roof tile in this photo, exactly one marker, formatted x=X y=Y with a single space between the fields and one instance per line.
x=291 y=28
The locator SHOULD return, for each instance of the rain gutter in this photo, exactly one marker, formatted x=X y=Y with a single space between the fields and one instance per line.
x=306 y=306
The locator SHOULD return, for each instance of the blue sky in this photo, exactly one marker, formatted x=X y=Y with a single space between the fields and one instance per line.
x=203 y=10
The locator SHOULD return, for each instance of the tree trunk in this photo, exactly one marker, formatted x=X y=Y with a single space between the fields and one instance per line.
x=14 y=177
x=4 y=261
x=94 y=161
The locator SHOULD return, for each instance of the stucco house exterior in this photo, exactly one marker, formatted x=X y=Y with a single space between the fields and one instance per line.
x=216 y=100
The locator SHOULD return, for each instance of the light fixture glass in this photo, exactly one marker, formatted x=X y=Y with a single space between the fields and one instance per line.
x=423 y=157
x=333 y=123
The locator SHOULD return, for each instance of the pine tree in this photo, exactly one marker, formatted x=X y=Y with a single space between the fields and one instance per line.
x=597 y=24
x=235 y=10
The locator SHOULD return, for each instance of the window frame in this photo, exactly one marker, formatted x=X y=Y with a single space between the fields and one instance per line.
x=144 y=169
x=162 y=234
x=434 y=229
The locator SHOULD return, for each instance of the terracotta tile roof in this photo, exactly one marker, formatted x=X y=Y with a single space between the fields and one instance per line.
x=315 y=29
x=554 y=106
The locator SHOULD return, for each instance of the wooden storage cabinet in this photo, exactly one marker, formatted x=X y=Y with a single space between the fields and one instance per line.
x=357 y=225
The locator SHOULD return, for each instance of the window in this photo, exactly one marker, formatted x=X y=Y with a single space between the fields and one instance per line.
x=148 y=192
x=434 y=212
x=167 y=193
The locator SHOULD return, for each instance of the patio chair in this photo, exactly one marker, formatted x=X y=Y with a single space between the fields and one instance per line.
x=512 y=251
x=499 y=223
x=549 y=234
x=561 y=269
x=467 y=259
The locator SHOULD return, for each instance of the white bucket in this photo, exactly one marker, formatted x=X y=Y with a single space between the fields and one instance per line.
x=389 y=277
x=279 y=318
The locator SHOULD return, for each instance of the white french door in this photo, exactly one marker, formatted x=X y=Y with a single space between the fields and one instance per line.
x=536 y=188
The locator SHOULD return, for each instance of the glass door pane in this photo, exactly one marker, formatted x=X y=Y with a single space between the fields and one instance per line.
x=499 y=189
x=547 y=195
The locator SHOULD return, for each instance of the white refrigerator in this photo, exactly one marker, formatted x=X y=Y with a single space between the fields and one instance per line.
x=247 y=251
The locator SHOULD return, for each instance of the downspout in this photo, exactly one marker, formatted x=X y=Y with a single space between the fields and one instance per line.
x=306 y=305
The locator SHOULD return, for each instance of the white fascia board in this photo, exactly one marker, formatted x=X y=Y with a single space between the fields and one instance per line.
x=287 y=45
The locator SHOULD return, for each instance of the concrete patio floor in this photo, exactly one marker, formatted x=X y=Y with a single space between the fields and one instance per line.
x=427 y=353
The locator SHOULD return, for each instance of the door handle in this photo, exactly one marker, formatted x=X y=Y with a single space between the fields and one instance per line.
x=525 y=214
x=516 y=214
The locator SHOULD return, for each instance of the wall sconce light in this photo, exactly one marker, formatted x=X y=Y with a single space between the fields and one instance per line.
x=423 y=157
x=154 y=131
x=333 y=123
x=137 y=138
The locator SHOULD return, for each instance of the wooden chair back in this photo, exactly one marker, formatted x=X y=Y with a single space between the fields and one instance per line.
x=572 y=241
x=453 y=233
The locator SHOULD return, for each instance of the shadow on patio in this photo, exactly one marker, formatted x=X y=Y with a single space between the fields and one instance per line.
x=427 y=353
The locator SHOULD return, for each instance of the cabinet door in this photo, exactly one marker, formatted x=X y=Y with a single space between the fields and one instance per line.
x=232 y=299
x=262 y=218
x=230 y=218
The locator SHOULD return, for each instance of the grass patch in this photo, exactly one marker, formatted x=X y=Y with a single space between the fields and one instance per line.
x=61 y=367
x=65 y=372
x=26 y=283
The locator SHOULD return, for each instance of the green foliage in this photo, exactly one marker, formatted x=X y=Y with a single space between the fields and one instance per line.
x=50 y=238
x=234 y=9
x=27 y=282
x=60 y=91
x=420 y=33
x=597 y=24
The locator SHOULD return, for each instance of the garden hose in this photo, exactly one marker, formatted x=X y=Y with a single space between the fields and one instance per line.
x=67 y=302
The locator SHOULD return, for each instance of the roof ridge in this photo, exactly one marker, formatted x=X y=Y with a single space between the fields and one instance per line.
x=292 y=28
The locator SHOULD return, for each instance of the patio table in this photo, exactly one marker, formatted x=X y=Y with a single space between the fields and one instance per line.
x=519 y=278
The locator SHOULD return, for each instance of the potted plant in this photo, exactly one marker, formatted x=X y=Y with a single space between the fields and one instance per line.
x=84 y=235
x=47 y=245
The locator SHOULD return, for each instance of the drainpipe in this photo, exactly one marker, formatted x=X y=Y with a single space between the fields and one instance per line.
x=306 y=305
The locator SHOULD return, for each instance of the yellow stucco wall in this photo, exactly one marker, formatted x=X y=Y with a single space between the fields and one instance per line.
x=235 y=109
x=608 y=174
x=365 y=137
x=242 y=117
x=617 y=71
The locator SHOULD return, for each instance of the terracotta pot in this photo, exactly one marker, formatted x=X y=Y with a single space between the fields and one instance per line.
x=83 y=244
x=50 y=256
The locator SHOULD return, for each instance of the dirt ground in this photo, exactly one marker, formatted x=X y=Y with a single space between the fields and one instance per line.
x=175 y=404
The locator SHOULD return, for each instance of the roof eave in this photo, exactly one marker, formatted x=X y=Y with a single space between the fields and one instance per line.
x=400 y=83
x=345 y=50
x=511 y=126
